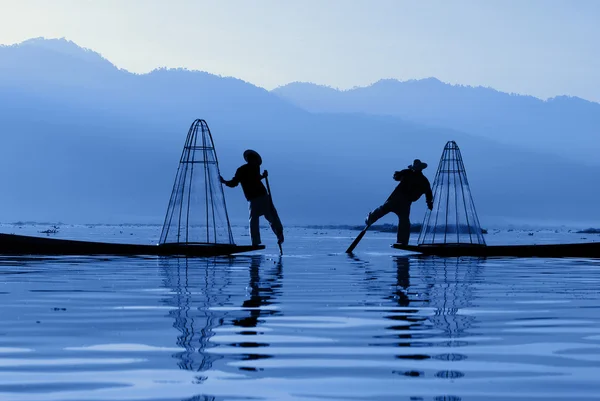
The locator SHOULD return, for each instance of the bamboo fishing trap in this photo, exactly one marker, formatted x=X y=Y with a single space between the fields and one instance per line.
x=197 y=213
x=453 y=219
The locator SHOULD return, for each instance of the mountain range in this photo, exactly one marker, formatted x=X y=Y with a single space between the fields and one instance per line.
x=567 y=126
x=84 y=141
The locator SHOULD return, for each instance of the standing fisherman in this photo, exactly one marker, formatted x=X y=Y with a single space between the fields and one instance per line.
x=259 y=200
x=413 y=184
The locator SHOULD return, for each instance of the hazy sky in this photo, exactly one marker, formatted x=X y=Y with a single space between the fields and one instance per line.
x=538 y=47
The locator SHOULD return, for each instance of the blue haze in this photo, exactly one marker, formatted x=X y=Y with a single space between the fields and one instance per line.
x=82 y=141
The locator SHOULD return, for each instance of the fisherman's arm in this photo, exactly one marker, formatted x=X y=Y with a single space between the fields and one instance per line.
x=231 y=183
x=428 y=195
x=399 y=175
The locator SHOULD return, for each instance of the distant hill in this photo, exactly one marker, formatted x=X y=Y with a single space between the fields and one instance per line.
x=82 y=141
x=567 y=126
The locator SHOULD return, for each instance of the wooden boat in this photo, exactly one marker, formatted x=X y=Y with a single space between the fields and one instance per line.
x=11 y=244
x=578 y=250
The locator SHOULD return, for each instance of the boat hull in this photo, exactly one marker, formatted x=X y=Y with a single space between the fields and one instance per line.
x=580 y=250
x=11 y=244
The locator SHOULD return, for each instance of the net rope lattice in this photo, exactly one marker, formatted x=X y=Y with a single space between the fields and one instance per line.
x=197 y=213
x=453 y=219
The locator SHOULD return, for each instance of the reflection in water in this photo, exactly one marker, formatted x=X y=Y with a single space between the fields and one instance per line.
x=371 y=274
x=402 y=281
x=444 y=284
x=262 y=297
x=195 y=289
x=198 y=286
x=261 y=294
x=427 y=295
x=449 y=283
x=376 y=328
x=408 y=322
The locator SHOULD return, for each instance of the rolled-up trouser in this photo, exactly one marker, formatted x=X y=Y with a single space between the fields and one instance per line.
x=402 y=209
x=262 y=206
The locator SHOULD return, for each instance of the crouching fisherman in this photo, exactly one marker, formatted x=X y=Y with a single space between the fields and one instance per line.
x=413 y=184
x=259 y=201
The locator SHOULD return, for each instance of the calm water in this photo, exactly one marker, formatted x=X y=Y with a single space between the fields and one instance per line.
x=313 y=324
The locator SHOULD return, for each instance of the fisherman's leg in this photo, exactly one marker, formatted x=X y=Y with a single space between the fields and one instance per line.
x=378 y=213
x=254 y=209
x=403 y=212
x=273 y=219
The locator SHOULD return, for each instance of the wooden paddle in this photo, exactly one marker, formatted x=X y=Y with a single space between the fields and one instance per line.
x=273 y=207
x=357 y=240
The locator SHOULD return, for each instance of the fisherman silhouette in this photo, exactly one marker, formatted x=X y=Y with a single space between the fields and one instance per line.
x=413 y=184
x=259 y=201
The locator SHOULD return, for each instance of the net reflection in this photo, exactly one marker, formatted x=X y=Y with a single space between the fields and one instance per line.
x=449 y=287
x=442 y=287
x=196 y=285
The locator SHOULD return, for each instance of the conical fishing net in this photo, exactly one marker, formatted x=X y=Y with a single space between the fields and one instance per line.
x=453 y=219
x=197 y=213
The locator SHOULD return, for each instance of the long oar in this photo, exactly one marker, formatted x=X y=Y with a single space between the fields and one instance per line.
x=357 y=240
x=274 y=210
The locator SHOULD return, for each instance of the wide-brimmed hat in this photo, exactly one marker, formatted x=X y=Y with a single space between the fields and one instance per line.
x=252 y=156
x=418 y=165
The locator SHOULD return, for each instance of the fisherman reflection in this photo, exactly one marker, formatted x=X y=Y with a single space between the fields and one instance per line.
x=406 y=322
x=402 y=281
x=405 y=318
x=263 y=292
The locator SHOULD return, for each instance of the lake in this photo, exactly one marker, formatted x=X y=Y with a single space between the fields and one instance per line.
x=314 y=324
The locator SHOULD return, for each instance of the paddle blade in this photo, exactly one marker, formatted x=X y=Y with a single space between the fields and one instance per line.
x=357 y=240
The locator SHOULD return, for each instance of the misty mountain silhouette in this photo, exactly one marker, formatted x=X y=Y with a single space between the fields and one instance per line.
x=564 y=125
x=83 y=141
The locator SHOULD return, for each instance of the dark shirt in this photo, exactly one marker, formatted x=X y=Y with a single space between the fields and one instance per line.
x=249 y=176
x=412 y=186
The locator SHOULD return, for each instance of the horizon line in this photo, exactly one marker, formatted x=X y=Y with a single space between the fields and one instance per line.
x=338 y=89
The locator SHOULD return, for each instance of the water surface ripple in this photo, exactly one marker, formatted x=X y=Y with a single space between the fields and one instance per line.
x=306 y=326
